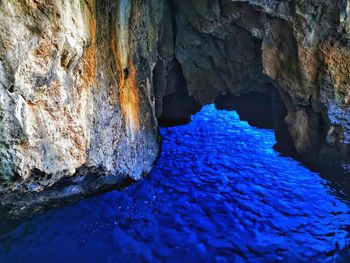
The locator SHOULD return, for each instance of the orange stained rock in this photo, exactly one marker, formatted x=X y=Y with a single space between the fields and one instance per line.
x=337 y=60
x=89 y=60
x=44 y=49
x=129 y=97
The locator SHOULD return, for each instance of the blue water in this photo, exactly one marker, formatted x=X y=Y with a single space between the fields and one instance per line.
x=219 y=193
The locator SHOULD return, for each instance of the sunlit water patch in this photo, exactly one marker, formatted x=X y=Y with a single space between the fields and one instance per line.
x=218 y=194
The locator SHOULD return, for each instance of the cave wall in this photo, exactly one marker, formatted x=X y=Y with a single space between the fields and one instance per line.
x=76 y=97
x=83 y=84
x=300 y=47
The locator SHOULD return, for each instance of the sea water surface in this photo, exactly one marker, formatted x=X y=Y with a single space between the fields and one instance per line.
x=219 y=193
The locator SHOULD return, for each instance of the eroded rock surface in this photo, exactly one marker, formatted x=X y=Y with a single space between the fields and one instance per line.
x=76 y=97
x=82 y=84
x=300 y=47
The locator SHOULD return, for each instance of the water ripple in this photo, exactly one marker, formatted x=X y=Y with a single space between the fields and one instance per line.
x=219 y=193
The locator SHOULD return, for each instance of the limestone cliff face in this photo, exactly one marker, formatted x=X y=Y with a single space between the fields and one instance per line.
x=297 y=49
x=82 y=84
x=76 y=100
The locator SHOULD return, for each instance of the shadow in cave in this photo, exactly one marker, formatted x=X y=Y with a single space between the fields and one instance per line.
x=262 y=110
x=268 y=111
x=177 y=105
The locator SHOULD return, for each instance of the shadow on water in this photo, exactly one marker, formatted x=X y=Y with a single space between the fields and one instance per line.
x=259 y=110
x=220 y=193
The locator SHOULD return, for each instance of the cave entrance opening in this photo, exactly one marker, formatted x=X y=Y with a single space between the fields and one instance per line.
x=260 y=109
x=265 y=110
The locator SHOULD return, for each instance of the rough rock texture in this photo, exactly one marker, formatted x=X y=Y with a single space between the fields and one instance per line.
x=82 y=83
x=76 y=97
x=300 y=47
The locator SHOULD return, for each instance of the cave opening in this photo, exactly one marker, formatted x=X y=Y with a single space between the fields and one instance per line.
x=218 y=54
x=263 y=110
x=235 y=56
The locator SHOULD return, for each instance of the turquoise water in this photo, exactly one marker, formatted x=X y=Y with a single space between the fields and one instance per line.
x=219 y=193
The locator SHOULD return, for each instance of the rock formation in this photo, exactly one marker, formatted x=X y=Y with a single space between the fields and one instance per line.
x=296 y=52
x=77 y=105
x=82 y=84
